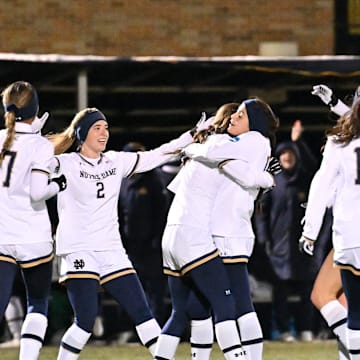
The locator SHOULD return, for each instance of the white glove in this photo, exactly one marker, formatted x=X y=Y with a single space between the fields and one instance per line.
x=201 y=121
x=202 y=124
x=38 y=123
x=325 y=94
x=306 y=246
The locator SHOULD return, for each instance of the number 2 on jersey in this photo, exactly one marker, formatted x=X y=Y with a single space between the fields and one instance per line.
x=100 y=191
x=8 y=170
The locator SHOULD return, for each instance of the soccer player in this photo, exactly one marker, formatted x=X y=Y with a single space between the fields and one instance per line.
x=233 y=235
x=191 y=258
x=87 y=237
x=340 y=163
x=25 y=232
x=327 y=293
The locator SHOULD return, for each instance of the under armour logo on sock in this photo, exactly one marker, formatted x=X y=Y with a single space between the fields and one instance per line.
x=227 y=292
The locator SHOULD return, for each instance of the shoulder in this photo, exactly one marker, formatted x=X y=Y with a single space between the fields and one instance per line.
x=112 y=154
x=41 y=144
x=68 y=157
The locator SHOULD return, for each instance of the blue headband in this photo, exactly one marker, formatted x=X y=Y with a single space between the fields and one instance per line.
x=26 y=112
x=258 y=118
x=83 y=126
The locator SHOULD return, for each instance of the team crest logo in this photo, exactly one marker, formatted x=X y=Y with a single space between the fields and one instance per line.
x=79 y=264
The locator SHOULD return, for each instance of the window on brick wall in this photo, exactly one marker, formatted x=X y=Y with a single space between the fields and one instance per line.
x=347 y=27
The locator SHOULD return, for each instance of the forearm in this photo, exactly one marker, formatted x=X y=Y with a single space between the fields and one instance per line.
x=151 y=159
x=241 y=173
x=40 y=189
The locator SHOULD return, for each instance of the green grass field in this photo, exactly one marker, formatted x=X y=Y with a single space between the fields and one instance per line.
x=325 y=350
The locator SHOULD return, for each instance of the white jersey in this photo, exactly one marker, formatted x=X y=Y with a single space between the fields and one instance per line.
x=195 y=188
x=88 y=216
x=234 y=205
x=197 y=185
x=22 y=220
x=340 y=166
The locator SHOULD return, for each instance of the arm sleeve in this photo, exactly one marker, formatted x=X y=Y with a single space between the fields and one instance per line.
x=340 y=108
x=150 y=159
x=217 y=148
x=40 y=190
x=320 y=191
x=240 y=172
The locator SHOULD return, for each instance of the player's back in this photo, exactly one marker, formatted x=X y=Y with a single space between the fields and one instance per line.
x=195 y=193
x=19 y=214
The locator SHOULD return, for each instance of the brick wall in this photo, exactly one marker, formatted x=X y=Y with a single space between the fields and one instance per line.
x=164 y=27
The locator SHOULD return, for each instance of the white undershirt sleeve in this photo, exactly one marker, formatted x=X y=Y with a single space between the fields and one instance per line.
x=321 y=189
x=40 y=190
x=340 y=108
x=240 y=172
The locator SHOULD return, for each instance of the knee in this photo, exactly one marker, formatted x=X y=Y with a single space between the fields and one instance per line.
x=354 y=320
x=38 y=305
x=86 y=320
x=320 y=297
x=177 y=323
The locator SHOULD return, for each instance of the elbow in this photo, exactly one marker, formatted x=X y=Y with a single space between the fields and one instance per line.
x=36 y=197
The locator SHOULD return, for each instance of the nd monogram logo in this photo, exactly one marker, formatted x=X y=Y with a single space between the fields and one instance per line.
x=79 y=264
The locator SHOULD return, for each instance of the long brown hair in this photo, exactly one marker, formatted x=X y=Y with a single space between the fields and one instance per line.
x=20 y=94
x=219 y=124
x=347 y=127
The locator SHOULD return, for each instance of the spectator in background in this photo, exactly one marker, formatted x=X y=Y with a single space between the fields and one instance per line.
x=278 y=227
x=142 y=215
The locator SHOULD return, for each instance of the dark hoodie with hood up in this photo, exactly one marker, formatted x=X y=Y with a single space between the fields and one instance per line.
x=278 y=219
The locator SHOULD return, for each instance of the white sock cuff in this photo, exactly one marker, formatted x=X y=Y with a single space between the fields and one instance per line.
x=166 y=346
x=34 y=324
x=202 y=332
x=250 y=328
x=227 y=334
x=196 y=323
x=76 y=337
x=353 y=340
x=148 y=332
x=333 y=311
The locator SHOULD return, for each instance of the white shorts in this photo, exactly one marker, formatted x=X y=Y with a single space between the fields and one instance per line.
x=100 y=265
x=27 y=255
x=185 y=247
x=348 y=259
x=234 y=249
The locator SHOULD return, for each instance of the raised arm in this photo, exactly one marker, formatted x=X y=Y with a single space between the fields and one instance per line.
x=235 y=157
x=329 y=98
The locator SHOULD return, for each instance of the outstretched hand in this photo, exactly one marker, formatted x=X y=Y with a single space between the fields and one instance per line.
x=325 y=94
